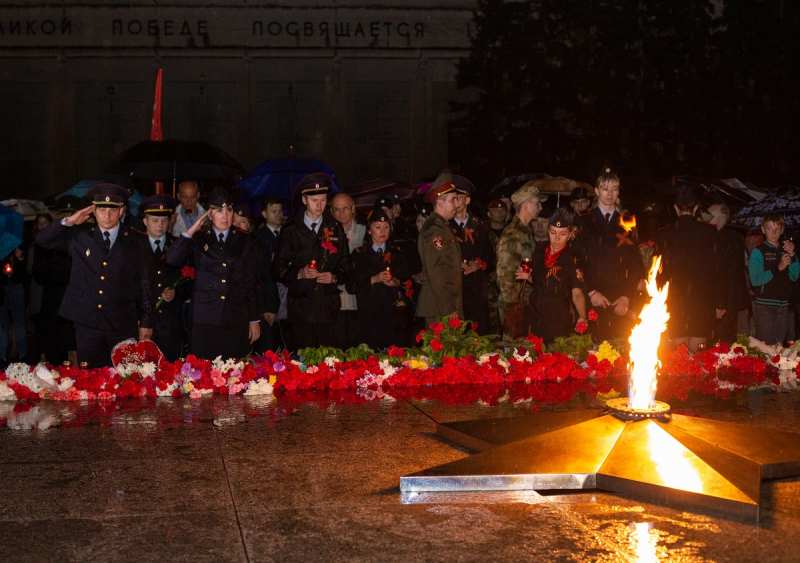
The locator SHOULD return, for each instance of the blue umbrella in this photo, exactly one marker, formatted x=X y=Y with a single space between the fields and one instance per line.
x=10 y=230
x=277 y=177
x=80 y=189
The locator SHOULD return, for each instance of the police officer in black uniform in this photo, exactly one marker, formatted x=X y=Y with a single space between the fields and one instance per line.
x=168 y=330
x=224 y=304
x=311 y=272
x=477 y=256
x=110 y=292
x=379 y=268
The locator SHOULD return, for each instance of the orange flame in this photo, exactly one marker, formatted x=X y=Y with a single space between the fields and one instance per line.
x=627 y=225
x=644 y=341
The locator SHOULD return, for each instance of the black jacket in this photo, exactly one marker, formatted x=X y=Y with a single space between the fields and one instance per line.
x=225 y=287
x=297 y=246
x=110 y=291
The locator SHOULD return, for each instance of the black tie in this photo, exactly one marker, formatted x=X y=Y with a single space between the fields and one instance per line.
x=107 y=240
x=276 y=233
x=314 y=227
x=221 y=240
x=608 y=217
x=158 y=246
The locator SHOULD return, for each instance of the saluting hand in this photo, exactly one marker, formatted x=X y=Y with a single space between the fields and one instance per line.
x=79 y=216
x=197 y=224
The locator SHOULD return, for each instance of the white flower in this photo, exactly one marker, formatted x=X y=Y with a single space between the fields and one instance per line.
x=6 y=394
x=65 y=383
x=259 y=387
x=332 y=360
x=148 y=369
x=227 y=365
x=168 y=391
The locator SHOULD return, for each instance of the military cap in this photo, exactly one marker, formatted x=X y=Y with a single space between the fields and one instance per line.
x=69 y=204
x=527 y=191
x=685 y=197
x=378 y=215
x=314 y=184
x=463 y=186
x=443 y=184
x=497 y=204
x=395 y=199
x=242 y=210
x=561 y=218
x=219 y=197
x=123 y=181
x=107 y=195
x=424 y=210
x=159 y=205
x=579 y=194
x=384 y=201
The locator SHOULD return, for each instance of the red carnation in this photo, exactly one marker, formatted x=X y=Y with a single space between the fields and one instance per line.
x=437 y=328
x=454 y=323
x=592 y=315
x=475 y=327
x=328 y=245
x=581 y=327
x=408 y=284
x=436 y=345
x=187 y=272
x=776 y=359
x=420 y=335
x=409 y=293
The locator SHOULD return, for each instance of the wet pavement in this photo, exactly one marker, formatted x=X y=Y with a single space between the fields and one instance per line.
x=315 y=478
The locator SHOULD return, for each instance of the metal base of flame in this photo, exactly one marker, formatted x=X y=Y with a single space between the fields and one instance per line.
x=692 y=462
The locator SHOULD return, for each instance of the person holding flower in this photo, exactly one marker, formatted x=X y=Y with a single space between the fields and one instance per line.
x=313 y=258
x=557 y=280
x=224 y=307
x=168 y=331
x=379 y=268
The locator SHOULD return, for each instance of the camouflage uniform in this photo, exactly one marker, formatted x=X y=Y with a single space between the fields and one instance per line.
x=493 y=293
x=515 y=244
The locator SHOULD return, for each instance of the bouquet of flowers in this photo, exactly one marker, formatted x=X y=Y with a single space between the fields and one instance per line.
x=454 y=338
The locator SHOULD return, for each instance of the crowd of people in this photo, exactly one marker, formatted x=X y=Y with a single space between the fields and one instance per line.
x=214 y=279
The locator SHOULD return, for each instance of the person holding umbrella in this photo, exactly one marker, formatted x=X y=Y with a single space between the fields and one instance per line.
x=224 y=304
x=110 y=293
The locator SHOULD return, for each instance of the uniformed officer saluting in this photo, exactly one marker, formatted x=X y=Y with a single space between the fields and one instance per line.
x=156 y=211
x=378 y=268
x=224 y=307
x=312 y=258
x=109 y=297
x=440 y=254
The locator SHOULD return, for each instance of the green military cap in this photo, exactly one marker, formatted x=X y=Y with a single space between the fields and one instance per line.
x=527 y=191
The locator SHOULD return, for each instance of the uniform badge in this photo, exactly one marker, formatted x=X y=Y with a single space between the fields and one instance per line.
x=87 y=252
x=438 y=243
x=579 y=274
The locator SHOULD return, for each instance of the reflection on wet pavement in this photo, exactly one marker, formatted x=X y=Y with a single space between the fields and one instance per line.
x=314 y=476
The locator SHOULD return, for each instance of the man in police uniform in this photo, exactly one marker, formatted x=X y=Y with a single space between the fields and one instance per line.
x=168 y=330
x=110 y=292
x=441 y=255
x=517 y=243
x=224 y=306
x=477 y=257
x=312 y=258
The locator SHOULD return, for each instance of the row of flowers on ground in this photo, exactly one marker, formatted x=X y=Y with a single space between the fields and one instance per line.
x=450 y=353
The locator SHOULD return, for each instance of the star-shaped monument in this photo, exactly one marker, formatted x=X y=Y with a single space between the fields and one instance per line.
x=694 y=462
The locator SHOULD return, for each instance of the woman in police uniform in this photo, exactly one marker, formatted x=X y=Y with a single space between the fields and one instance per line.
x=556 y=279
x=378 y=269
x=224 y=305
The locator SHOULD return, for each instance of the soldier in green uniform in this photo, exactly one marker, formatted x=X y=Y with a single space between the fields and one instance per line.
x=441 y=255
x=517 y=243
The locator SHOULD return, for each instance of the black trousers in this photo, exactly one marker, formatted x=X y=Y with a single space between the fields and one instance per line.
x=347 y=329
x=210 y=341
x=310 y=334
x=95 y=345
x=279 y=336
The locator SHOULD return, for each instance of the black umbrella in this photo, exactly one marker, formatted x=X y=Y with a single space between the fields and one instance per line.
x=175 y=160
x=511 y=184
x=750 y=216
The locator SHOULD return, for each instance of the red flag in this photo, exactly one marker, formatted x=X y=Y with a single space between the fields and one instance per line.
x=156 y=134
